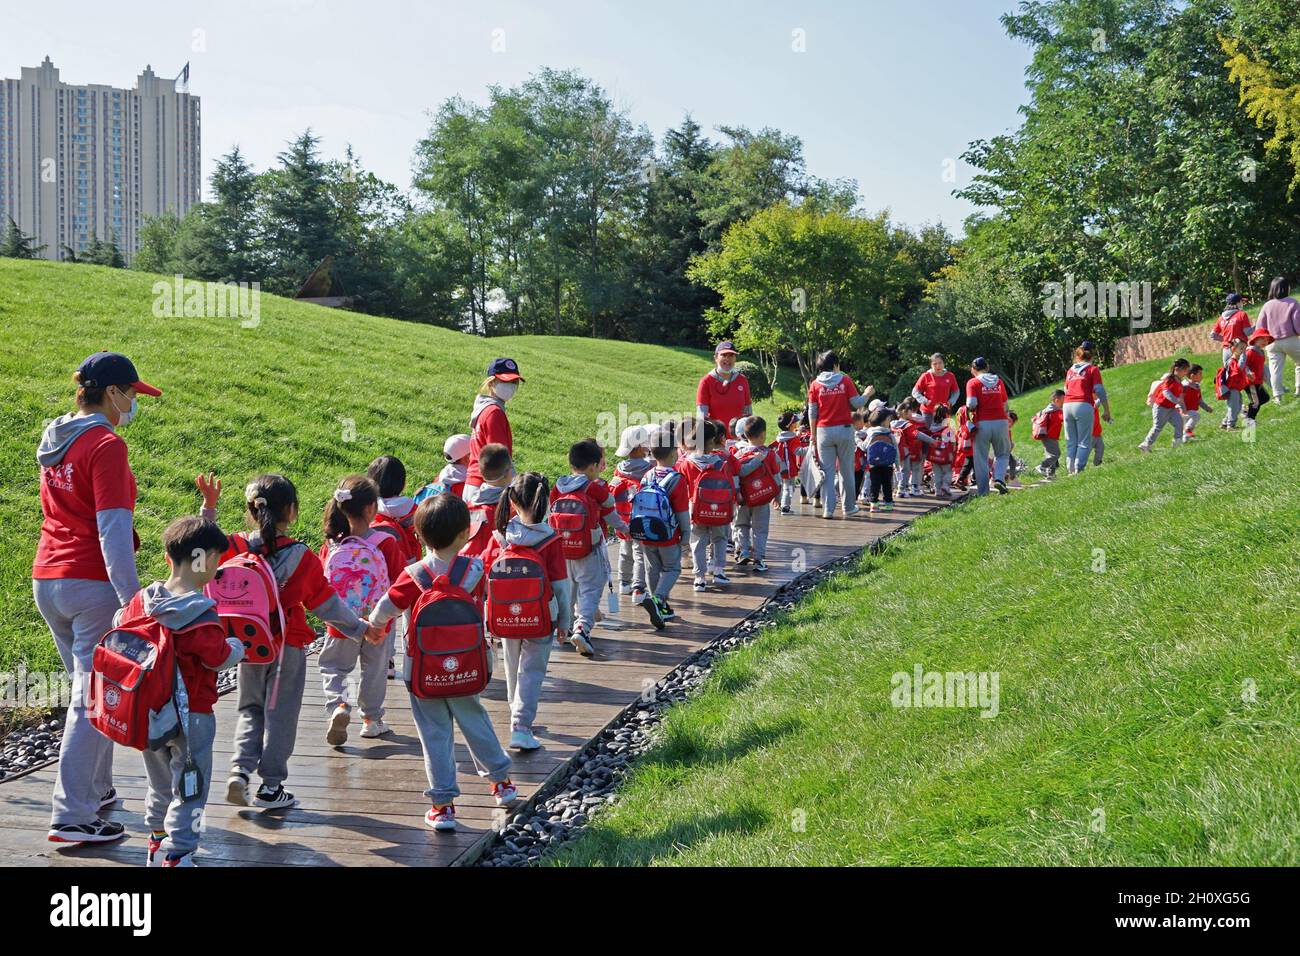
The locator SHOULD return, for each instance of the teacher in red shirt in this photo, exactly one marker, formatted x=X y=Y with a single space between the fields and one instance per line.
x=488 y=422
x=936 y=387
x=986 y=401
x=723 y=394
x=85 y=570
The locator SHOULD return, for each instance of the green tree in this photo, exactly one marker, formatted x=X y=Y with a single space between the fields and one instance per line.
x=17 y=245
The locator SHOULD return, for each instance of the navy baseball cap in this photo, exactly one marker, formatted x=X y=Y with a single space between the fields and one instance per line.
x=1087 y=345
x=1234 y=298
x=725 y=347
x=113 y=368
x=980 y=363
x=505 y=369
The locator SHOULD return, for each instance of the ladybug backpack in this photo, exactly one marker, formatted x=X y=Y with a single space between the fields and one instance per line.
x=138 y=699
x=247 y=594
x=518 y=591
x=574 y=517
x=447 y=653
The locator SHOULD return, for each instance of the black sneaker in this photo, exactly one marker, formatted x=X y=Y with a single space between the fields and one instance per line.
x=760 y=565
x=98 y=831
x=108 y=799
x=274 y=799
x=1001 y=486
x=665 y=609
x=651 y=607
x=742 y=561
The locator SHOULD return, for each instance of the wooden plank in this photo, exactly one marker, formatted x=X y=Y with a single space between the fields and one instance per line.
x=362 y=804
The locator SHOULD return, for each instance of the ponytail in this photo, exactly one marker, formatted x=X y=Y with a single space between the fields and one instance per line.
x=529 y=495
x=353 y=496
x=269 y=499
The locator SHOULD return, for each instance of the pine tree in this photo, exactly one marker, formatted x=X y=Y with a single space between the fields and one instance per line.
x=16 y=245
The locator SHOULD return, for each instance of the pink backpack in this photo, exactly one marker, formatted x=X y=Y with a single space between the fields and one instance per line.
x=248 y=603
x=355 y=568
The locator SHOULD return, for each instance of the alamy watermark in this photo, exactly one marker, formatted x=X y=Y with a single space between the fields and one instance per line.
x=189 y=298
x=1111 y=300
x=957 y=689
x=37 y=689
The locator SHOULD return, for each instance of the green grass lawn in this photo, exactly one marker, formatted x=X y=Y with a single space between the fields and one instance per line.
x=313 y=393
x=1142 y=621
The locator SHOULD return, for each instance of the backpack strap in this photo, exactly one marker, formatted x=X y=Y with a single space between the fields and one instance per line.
x=459 y=570
x=420 y=574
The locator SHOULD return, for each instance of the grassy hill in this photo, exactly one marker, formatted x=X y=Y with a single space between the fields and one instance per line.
x=310 y=392
x=1142 y=620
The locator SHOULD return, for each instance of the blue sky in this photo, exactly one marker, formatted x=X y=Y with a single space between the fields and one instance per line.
x=884 y=92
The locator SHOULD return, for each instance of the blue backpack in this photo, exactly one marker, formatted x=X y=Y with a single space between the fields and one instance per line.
x=881 y=453
x=652 y=518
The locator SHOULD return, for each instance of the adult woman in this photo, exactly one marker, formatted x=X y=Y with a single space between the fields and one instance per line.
x=986 y=402
x=831 y=399
x=85 y=570
x=935 y=387
x=1083 y=388
x=1280 y=318
x=488 y=422
x=723 y=394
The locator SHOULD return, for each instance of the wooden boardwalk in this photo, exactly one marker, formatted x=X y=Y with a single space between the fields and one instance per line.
x=362 y=804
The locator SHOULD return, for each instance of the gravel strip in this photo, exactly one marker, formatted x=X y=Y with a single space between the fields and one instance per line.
x=560 y=810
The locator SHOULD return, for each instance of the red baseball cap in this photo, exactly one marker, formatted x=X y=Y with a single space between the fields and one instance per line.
x=113 y=368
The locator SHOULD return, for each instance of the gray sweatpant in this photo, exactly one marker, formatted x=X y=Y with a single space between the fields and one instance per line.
x=1051 y=454
x=1234 y=408
x=338 y=659
x=835 y=448
x=942 y=477
x=663 y=566
x=1078 y=434
x=264 y=735
x=990 y=435
x=708 y=548
x=526 y=662
x=751 y=530
x=910 y=472
x=631 y=564
x=433 y=722
x=787 y=493
x=1190 y=422
x=1098 y=448
x=590 y=577
x=163 y=807
x=78 y=613
x=1160 y=417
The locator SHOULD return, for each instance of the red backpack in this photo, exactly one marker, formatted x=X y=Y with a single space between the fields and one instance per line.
x=623 y=487
x=400 y=528
x=1041 y=425
x=134 y=678
x=759 y=487
x=518 y=592
x=574 y=516
x=448 y=656
x=714 y=501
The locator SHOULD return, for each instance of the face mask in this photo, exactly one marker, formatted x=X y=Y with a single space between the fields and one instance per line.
x=124 y=417
x=505 y=390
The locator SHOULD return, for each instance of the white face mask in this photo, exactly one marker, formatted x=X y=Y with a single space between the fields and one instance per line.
x=505 y=390
x=124 y=417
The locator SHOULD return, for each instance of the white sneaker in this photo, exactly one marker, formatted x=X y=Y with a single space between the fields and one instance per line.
x=338 y=728
x=581 y=643
x=1144 y=448
x=186 y=860
x=625 y=589
x=523 y=740
x=237 y=790
x=374 y=728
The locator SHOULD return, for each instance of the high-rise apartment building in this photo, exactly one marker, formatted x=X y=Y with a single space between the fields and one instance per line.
x=83 y=160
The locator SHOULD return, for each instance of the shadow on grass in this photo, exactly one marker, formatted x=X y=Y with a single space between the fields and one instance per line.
x=622 y=850
x=687 y=748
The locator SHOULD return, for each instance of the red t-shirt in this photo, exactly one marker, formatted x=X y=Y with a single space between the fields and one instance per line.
x=832 y=401
x=1192 y=396
x=1171 y=385
x=726 y=401
x=93 y=476
x=491 y=427
x=1233 y=327
x=305 y=589
x=1254 y=366
x=1096 y=420
x=992 y=401
x=937 y=389
x=1079 y=386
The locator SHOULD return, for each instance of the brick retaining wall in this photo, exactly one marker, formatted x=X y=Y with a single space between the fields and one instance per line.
x=1154 y=345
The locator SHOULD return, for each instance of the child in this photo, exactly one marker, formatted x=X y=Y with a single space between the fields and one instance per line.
x=1098 y=446
x=752 y=522
x=521 y=521
x=941 y=451
x=1193 y=400
x=591 y=573
x=810 y=475
x=265 y=736
x=633 y=448
x=787 y=446
x=1167 y=408
x=858 y=418
x=496 y=469
x=1047 y=427
x=1255 y=360
x=1235 y=381
x=1014 y=464
x=452 y=476
x=175 y=801
x=663 y=559
x=709 y=539
x=397 y=518
x=881 y=477
x=443 y=523
x=963 y=463
x=360 y=562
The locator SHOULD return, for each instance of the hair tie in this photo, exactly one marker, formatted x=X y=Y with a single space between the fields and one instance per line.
x=342 y=494
x=258 y=502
